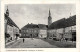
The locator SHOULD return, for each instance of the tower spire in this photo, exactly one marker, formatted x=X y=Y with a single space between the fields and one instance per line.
x=7 y=11
x=49 y=18
x=49 y=13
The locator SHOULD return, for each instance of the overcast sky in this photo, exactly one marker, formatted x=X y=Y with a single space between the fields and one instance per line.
x=23 y=14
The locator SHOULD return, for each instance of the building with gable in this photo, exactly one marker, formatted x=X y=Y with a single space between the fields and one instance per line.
x=63 y=29
x=29 y=31
x=42 y=30
x=11 y=29
x=34 y=31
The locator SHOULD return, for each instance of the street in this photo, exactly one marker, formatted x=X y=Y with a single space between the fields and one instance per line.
x=30 y=43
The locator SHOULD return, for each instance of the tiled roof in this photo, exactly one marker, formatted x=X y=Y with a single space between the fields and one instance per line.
x=30 y=26
x=62 y=23
x=57 y=24
x=71 y=21
x=42 y=26
x=9 y=21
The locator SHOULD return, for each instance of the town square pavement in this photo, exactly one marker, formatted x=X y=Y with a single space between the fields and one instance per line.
x=30 y=43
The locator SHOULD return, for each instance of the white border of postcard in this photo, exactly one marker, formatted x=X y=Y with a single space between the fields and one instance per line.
x=77 y=2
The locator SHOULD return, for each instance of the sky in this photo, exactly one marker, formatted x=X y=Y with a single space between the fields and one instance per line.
x=23 y=14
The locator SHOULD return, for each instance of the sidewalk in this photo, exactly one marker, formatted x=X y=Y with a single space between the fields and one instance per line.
x=12 y=42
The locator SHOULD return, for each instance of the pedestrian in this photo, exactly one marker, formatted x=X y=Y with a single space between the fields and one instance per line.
x=23 y=40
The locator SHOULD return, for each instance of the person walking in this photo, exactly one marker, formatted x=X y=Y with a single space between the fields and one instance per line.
x=23 y=40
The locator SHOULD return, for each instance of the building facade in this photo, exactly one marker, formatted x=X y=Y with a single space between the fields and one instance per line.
x=63 y=29
x=42 y=31
x=11 y=29
x=34 y=31
x=29 y=31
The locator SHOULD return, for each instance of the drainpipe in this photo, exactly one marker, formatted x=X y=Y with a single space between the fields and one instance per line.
x=71 y=33
x=63 y=32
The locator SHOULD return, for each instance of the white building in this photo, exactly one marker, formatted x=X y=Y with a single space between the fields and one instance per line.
x=42 y=31
x=63 y=28
x=11 y=28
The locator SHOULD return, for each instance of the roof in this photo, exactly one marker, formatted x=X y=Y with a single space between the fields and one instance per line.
x=62 y=23
x=42 y=26
x=57 y=24
x=30 y=26
x=10 y=22
x=71 y=21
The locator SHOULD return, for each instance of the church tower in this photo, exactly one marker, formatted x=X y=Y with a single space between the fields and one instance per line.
x=7 y=11
x=49 y=19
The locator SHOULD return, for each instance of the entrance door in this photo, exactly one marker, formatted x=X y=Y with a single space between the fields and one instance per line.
x=31 y=35
x=74 y=36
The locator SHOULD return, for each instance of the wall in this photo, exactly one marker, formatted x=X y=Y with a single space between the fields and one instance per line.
x=10 y=31
x=42 y=33
x=28 y=31
x=68 y=33
x=15 y=31
x=59 y=33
